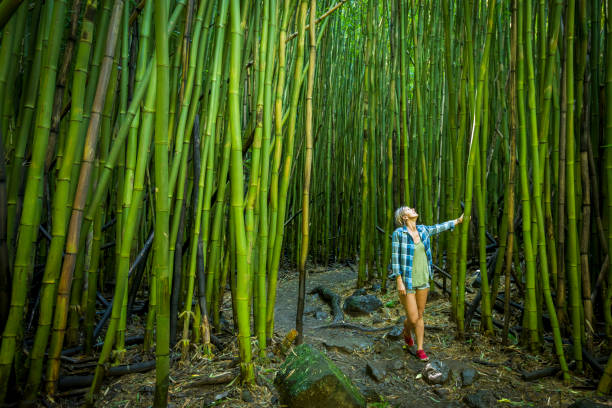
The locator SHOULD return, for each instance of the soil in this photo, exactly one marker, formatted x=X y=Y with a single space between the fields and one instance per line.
x=401 y=385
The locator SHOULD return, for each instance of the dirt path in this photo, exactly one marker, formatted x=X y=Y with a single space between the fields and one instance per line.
x=399 y=384
x=352 y=350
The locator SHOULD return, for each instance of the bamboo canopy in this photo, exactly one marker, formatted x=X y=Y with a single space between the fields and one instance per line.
x=171 y=154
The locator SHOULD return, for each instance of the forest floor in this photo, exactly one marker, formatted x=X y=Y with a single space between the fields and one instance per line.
x=400 y=384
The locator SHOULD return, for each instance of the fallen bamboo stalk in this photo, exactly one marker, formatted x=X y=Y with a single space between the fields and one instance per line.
x=80 y=381
x=128 y=342
x=542 y=373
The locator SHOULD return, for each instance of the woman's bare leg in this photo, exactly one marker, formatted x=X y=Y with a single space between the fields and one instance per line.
x=419 y=326
x=412 y=313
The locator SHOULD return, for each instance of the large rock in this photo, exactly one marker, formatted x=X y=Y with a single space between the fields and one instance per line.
x=309 y=379
x=362 y=304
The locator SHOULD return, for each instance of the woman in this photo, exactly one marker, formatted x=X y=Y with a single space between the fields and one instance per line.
x=411 y=267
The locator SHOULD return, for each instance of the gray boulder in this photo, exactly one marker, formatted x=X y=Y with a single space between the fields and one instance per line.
x=360 y=304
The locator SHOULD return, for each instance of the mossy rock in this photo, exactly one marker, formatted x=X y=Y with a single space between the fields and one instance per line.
x=309 y=379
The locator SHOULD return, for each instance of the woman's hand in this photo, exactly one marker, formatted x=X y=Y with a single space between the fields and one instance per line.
x=400 y=286
x=459 y=220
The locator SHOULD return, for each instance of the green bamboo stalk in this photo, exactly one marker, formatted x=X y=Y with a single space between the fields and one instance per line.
x=260 y=325
x=30 y=217
x=237 y=204
x=259 y=62
x=458 y=279
x=274 y=184
x=177 y=222
x=193 y=255
x=474 y=150
x=26 y=114
x=572 y=248
x=372 y=249
x=148 y=117
x=60 y=90
x=218 y=271
x=425 y=178
x=511 y=187
x=403 y=99
x=452 y=124
x=364 y=241
x=284 y=183
x=537 y=192
x=162 y=212
x=530 y=301
x=216 y=264
x=125 y=175
x=182 y=136
x=206 y=173
x=485 y=307
x=9 y=37
x=63 y=292
x=131 y=224
x=60 y=207
x=546 y=85
x=307 y=168
x=88 y=302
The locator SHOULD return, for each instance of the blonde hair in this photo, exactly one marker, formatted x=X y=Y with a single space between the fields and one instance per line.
x=399 y=215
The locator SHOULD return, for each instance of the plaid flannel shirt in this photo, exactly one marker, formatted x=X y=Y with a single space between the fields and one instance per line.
x=402 y=249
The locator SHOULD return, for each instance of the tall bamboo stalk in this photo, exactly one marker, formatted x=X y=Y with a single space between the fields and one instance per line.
x=74 y=230
x=474 y=149
x=277 y=203
x=162 y=212
x=60 y=207
x=237 y=203
x=307 y=169
x=30 y=217
x=572 y=248
x=264 y=184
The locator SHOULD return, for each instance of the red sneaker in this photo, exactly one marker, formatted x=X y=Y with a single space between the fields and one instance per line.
x=421 y=355
x=408 y=339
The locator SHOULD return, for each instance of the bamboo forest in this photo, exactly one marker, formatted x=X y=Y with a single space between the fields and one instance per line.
x=242 y=203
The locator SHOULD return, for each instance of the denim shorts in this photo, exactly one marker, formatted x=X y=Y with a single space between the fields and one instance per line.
x=414 y=289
